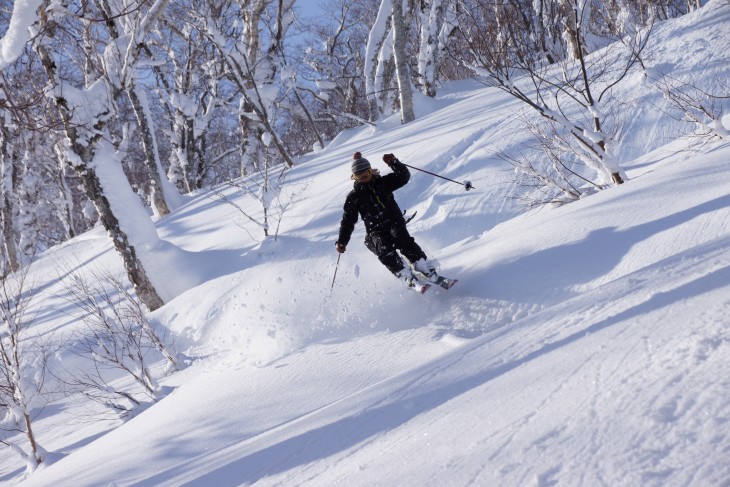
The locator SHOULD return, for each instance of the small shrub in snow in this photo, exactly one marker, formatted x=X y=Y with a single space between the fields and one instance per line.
x=119 y=339
x=22 y=371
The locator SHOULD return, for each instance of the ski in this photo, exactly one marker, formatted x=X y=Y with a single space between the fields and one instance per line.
x=421 y=282
x=445 y=282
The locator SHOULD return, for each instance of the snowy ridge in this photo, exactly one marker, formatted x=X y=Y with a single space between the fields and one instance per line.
x=583 y=345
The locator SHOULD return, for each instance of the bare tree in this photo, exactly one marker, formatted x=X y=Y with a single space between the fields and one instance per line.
x=575 y=94
x=191 y=97
x=697 y=106
x=548 y=169
x=128 y=33
x=117 y=337
x=252 y=67
x=331 y=70
x=269 y=191
x=37 y=206
x=22 y=369
x=85 y=113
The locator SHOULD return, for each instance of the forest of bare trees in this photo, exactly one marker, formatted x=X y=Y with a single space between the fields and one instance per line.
x=189 y=94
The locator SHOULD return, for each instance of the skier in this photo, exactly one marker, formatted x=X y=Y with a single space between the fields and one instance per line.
x=372 y=198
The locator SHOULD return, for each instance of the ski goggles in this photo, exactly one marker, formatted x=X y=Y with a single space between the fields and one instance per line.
x=362 y=175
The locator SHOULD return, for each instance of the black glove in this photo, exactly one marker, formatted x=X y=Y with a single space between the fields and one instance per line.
x=340 y=248
x=389 y=159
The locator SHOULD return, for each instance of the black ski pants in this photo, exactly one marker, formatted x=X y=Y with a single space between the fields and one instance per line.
x=384 y=243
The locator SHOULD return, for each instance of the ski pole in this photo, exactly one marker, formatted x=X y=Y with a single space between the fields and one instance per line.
x=466 y=184
x=335 y=276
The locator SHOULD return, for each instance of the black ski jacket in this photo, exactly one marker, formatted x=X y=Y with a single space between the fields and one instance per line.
x=374 y=202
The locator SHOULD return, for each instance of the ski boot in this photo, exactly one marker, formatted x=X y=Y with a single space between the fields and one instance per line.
x=406 y=276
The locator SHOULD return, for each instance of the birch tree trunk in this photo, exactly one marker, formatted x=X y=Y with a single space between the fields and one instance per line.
x=569 y=10
x=376 y=41
x=250 y=128
x=401 y=64
x=82 y=145
x=151 y=153
x=65 y=210
x=431 y=17
x=128 y=37
x=8 y=174
x=135 y=270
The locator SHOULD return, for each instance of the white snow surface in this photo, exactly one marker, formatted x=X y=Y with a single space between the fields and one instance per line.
x=583 y=345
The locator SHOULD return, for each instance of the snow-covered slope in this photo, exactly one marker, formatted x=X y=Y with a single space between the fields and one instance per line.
x=584 y=345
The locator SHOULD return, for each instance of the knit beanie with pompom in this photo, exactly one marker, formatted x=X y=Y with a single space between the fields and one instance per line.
x=359 y=163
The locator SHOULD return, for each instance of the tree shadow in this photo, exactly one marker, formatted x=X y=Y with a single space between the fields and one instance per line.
x=552 y=272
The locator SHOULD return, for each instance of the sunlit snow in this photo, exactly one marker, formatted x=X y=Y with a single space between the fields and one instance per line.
x=583 y=345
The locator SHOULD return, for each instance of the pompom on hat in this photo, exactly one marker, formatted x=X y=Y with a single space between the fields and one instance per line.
x=359 y=163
